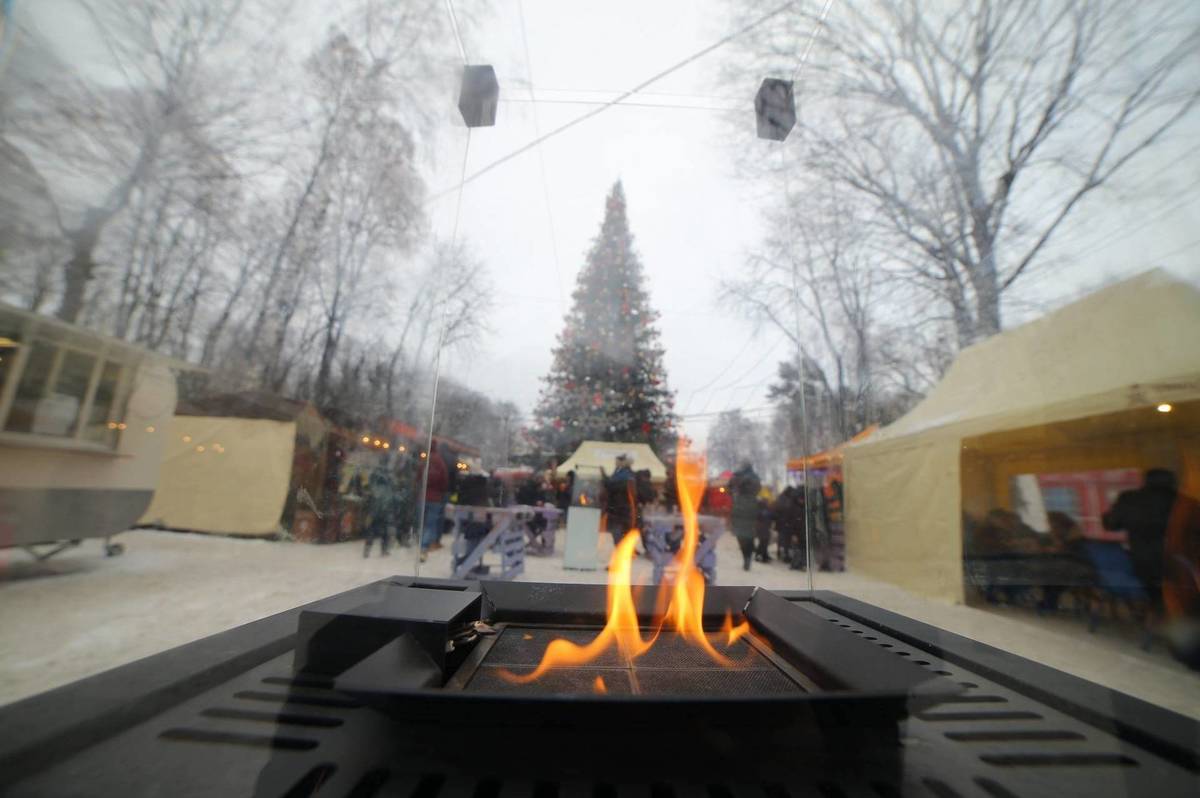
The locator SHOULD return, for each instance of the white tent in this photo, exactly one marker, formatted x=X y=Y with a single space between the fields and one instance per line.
x=603 y=454
x=1076 y=390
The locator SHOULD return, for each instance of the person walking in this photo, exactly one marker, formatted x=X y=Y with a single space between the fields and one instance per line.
x=379 y=508
x=437 y=488
x=743 y=517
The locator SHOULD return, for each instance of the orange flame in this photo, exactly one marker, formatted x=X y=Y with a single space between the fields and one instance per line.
x=733 y=633
x=620 y=630
x=684 y=613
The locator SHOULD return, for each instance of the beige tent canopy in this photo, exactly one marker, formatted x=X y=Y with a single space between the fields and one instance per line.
x=603 y=454
x=1075 y=390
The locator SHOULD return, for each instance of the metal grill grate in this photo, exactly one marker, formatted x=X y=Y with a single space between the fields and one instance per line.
x=672 y=667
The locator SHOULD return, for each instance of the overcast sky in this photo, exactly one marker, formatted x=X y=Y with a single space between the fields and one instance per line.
x=692 y=218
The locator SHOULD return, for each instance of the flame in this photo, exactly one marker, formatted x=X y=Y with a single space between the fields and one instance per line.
x=682 y=598
x=733 y=633
x=620 y=630
x=686 y=612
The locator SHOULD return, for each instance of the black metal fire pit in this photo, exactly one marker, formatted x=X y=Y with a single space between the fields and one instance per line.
x=398 y=688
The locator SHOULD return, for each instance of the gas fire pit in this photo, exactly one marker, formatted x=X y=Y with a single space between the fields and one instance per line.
x=423 y=689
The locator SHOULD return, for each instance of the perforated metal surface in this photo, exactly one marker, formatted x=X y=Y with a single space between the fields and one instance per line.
x=264 y=732
x=671 y=667
x=560 y=681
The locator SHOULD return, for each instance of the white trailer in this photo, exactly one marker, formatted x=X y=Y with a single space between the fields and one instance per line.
x=82 y=425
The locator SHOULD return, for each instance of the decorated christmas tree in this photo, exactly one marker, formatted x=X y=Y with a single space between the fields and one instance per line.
x=607 y=380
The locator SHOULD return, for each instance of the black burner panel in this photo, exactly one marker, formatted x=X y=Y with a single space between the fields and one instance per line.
x=830 y=697
x=672 y=667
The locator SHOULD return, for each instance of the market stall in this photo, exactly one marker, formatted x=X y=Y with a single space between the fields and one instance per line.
x=1072 y=391
x=233 y=461
x=603 y=454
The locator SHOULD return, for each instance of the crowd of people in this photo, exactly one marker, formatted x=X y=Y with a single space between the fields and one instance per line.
x=757 y=517
x=1162 y=531
x=797 y=519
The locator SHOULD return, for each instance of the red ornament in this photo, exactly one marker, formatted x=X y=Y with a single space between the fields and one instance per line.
x=558 y=424
x=646 y=427
x=597 y=399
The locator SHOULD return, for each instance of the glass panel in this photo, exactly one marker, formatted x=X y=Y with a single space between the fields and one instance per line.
x=105 y=420
x=9 y=349
x=911 y=330
x=30 y=406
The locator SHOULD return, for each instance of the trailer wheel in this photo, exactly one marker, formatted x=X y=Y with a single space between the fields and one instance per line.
x=114 y=549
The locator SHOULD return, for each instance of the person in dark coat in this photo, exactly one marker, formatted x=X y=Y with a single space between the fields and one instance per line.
x=530 y=492
x=762 y=528
x=437 y=491
x=744 y=485
x=789 y=521
x=566 y=487
x=622 y=499
x=379 y=508
x=1144 y=514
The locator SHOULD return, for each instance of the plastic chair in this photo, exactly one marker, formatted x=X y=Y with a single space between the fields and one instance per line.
x=1114 y=580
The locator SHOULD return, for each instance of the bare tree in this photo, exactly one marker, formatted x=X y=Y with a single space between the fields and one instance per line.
x=974 y=128
x=735 y=439
x=371 y=220
x=450 y=291
x=160 y=112
x=817 y=281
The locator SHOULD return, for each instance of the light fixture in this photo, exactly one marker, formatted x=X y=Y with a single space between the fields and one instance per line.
x=200 y=449
x=366 y=439
x=387 y=445
x=1164 y=408
x=187 y=438
x=479 y=95
x=150 y=428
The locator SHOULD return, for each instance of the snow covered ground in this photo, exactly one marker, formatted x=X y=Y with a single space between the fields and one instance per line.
x=81 y=613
